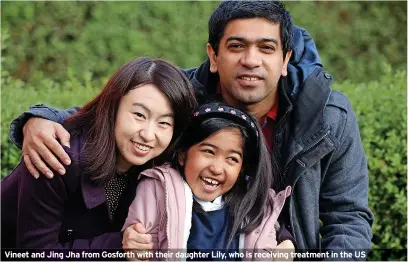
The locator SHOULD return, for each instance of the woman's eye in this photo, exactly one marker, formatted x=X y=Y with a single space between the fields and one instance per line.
x=139 y=115
x=166 y=124
x=234 y=159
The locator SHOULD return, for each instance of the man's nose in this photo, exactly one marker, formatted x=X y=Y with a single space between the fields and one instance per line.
x=251 y=58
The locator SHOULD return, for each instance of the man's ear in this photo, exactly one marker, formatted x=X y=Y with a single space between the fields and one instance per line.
x=285 y=63
x=213 y=58
x=181 y=157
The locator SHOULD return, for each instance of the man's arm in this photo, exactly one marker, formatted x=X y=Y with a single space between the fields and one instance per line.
x=344 y=208
x=38 y=138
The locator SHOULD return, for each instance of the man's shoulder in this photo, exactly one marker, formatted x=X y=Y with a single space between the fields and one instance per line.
x=339 y=115
x=339 y=100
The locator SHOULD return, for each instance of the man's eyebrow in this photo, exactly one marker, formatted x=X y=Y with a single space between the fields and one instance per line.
x=213 y=146
x=242 y=39
x=149 y=111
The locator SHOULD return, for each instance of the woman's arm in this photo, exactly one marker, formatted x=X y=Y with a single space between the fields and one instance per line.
x=40 y=214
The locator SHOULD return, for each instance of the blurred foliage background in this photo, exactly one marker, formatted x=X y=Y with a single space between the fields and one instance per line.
x=62 y=53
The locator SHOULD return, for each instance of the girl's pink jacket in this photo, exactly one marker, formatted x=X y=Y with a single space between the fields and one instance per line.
x=163 y=204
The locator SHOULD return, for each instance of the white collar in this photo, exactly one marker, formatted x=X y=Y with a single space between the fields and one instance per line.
x=207 y=206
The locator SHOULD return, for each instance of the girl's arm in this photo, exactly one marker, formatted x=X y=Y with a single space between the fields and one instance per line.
x=145 y=210
x=40 y=212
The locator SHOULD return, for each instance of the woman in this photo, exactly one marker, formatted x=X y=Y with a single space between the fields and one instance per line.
x=136 y=120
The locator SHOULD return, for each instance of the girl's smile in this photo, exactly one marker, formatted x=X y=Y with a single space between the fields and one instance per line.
x=212 y=166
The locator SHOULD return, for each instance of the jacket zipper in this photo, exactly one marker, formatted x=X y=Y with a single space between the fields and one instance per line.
x=283 y=119
x=294 y=182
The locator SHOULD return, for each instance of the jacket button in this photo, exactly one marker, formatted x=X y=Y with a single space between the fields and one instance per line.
x=327 y=75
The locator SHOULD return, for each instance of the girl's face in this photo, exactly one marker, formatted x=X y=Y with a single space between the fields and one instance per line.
x=212 y=166
x=144 y=126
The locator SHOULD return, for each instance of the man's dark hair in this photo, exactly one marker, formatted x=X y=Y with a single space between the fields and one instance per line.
x=274 y=11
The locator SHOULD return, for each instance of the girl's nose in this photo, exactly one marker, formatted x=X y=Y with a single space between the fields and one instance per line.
x=216 y=168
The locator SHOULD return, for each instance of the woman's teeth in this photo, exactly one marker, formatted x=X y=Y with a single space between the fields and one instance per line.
x=141 y=147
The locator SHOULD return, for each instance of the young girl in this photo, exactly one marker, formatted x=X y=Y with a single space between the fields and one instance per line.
x=137 y=118
x=216 y=194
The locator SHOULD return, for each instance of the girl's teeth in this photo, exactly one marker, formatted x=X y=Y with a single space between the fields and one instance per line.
x=211 y=181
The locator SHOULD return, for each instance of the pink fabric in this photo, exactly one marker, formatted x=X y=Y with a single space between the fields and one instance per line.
x=160 y=206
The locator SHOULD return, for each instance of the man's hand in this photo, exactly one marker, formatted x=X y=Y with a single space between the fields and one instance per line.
x=136 y=240
x=40 y=144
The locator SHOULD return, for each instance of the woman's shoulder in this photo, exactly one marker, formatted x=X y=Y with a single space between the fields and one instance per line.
x=74 y=150
x=74 y=171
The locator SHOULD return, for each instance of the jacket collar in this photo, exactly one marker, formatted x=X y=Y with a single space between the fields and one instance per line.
x=309 y=104
x=92 y=192
x=306 y=126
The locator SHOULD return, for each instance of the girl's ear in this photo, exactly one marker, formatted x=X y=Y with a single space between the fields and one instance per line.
x=181 y=157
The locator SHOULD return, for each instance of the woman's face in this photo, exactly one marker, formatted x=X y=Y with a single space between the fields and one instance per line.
x=212 y=166
x=144 y=126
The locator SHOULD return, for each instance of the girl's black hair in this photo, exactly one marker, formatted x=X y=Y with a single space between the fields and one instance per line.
x=249 y=195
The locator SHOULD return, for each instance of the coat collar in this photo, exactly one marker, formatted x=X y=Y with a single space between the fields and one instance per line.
x=92 y=192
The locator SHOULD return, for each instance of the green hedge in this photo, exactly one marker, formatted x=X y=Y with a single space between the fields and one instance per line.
x=47 y=38
x=355 y=38
x=381 y=108
x=17 y=97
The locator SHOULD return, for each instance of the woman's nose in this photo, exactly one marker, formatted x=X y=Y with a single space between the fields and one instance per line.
x=147 y=133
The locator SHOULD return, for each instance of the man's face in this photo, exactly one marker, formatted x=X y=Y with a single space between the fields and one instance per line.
x=250 y=61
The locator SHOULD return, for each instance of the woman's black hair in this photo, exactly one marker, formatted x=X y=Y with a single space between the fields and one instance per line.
x=249 y=195
x=98 y=116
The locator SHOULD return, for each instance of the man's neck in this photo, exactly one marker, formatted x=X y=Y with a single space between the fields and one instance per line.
x=258 y=110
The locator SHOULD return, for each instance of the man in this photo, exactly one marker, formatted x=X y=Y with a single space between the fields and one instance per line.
x=311 y=130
